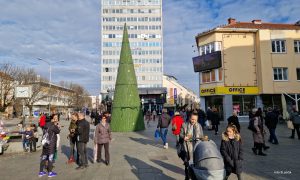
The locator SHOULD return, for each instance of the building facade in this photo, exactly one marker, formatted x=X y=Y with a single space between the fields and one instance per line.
x=179 y=95
x=243 y=65
x=144 y=23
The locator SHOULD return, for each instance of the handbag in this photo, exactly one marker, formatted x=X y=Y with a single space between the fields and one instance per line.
x=157 y=134
x=290 y=124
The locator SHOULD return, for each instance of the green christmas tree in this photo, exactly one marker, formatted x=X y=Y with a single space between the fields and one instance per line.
x=126 y=110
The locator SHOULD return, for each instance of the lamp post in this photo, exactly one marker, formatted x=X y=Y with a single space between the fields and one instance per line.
x=50 y=74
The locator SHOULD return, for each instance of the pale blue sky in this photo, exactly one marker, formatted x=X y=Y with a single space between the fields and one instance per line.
x=69 y=30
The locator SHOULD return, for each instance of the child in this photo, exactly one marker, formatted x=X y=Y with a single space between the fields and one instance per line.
x=231 y=150
x=27 y=136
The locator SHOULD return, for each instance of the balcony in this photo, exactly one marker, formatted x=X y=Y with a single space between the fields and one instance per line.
x=207 y=61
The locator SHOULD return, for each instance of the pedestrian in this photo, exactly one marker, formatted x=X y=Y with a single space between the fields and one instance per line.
x=183 y=114
x=40 y=135
x=295 y=118
x=103 y=138
x=27 y=135
x=154 y=114
x=51 y=129
x=190 y=132
x=271 y=121
x=42 y=121
x=234 y=120
x=261 y=114
x=34 y=138
x=231 y=150
x=148 y=117
x=72 y=137
x=215 y=121
x=258 y=137
x=201 y=117
x=164 y=121
x=177 y=122
x=82 y=131
x=209 y=115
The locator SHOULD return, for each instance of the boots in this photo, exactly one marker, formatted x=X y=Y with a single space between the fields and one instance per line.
x=260 y=147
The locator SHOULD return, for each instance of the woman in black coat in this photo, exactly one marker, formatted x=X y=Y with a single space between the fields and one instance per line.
x=234 y=120
x=231 y=150
x=215 y=120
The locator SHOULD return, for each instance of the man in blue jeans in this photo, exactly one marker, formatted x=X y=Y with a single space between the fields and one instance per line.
x=163 y=123
x=271 y=121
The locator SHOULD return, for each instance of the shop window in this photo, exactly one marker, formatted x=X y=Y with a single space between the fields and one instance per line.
x=243 y=104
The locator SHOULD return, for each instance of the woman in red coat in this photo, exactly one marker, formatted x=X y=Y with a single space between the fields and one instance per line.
x=177 y=122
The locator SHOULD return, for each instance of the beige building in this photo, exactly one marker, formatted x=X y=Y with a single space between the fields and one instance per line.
x=243 y=65
x=178 y=94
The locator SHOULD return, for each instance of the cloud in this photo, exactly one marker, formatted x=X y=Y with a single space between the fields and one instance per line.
x=69 y=30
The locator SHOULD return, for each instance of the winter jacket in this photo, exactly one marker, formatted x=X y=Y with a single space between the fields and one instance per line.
x=72 y=125
x=215 y=119
x=271 y=120
x=209 y=114
x=52 y=130
x=83 y=131
x=231 y=150
x=164 y=121
x=295 y=117
x=177 y=122
x=234 y=120
x=42 y=121
x=258 y=136
x=102 y=134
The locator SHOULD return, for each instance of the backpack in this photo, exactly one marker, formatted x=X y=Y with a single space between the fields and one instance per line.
x=251 y=126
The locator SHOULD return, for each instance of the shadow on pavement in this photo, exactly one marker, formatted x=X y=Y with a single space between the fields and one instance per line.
x=65 y=150
x=143 y=170
x=170 y=167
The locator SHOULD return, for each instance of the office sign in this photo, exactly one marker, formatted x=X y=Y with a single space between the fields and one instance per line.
x=228 y=90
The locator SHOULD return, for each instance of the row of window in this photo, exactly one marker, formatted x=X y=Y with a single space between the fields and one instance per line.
x=148 y=69
x=139 y=78
x=131 y=2
x=214 y=75
x=120 y=27
x=279 y=46
x=131 y=11
x=112 y=86
x=131 y=19
x=133 y=36
x=136 y=61
x=209 y=48
x=134 y=52
x=132 y=44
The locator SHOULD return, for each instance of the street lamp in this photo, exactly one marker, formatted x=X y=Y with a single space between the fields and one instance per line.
x=50 y=72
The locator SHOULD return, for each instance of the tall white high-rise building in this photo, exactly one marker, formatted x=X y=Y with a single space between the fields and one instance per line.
x=144 y=24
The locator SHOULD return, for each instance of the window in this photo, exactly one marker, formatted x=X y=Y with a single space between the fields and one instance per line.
x=298 y=74
x=278 y=46
x=297 y=46
x=280 y=74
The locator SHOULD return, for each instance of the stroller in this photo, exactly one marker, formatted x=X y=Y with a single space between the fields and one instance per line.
x=208 y=162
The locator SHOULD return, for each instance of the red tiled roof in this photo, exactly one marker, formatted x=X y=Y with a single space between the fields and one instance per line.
x=250 y=25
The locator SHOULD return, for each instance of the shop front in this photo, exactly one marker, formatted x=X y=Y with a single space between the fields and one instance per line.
x=229 y=99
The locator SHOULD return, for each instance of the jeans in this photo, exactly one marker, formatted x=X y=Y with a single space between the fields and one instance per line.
x=81 y=148
x=48 y=158
x=32 y=144
x=99 y=149
x=163 y=134
x=72 y=147
x=296 y=127
x=273 y=138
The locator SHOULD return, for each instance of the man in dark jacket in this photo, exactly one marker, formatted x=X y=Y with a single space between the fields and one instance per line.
x=201 y=117
x=295 y=118
x=234 y=120
x=83 y=132
x=271 y=121
x=163 y=123
x=49 y=149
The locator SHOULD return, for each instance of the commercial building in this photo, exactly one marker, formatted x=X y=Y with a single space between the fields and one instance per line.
x=144 y=22
x=179 y=95
x=243 y=65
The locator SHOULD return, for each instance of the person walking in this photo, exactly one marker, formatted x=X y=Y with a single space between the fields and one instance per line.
x=72 y=137
x=103 y=138
x=49 y=148
x=177 y=122
x=215 y=120
x=258 y=137
x=231 y=150
x=190 y=132
x=82 y=131
x=201 y=117
x=271 y=121
x=295 y=118
x=234 y=120
x=163 y=124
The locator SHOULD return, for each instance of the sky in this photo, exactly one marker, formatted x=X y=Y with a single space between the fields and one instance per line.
x=69 y=30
